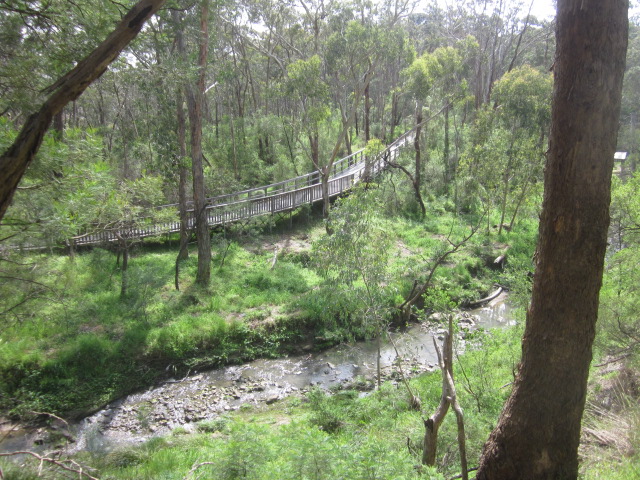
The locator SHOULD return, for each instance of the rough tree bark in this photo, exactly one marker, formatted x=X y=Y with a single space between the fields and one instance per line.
x=538 y=432
x=15 y=160
x=194 y=106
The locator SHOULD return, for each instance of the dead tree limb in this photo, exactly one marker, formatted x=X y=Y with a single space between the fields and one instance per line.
x=448 y=398
x=432 y=424
x=74 y=468
x=419 y=289
x=194 y=468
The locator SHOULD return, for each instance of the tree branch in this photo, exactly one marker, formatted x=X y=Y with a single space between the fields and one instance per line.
x=76 y=468
x=416 y=292
x=195 y=467
x=15 y=160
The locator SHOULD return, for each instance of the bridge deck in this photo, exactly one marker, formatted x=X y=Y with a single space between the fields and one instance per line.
x=267 y=199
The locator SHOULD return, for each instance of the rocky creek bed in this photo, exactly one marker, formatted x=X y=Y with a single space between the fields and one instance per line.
x=208 y=395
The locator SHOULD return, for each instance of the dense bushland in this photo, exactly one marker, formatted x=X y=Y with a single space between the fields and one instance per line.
x=281 y=100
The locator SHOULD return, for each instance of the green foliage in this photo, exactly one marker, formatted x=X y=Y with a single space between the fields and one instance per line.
x=483 y=372
x=524 y=95
x=354 y=259
x=342 y=435
x=618 y=324
x=326 y=415
x=257 y=448
x=503 y=164
x=125 y=343
x=220 y=424
x=373 y=147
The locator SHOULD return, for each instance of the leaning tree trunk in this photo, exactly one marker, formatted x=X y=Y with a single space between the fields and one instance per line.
x=538 y=432
x=15 y=160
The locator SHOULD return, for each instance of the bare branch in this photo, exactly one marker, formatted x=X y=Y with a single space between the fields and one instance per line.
x=75 y=468
x=257 y=47
x=195 y=467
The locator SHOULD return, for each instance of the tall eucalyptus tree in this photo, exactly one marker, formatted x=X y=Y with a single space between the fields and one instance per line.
x=538 y=433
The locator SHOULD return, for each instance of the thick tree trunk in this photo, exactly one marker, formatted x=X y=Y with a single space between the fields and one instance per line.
x=538 y=432
x=15 y=160
x=194 y=105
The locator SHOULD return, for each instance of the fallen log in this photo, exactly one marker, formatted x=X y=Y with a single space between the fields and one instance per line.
x=488 y=298
x=500 y=260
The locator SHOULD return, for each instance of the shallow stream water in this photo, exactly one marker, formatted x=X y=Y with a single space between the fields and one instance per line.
x=208 y=395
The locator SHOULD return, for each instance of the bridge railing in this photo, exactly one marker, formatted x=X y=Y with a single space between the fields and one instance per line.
x=280 y=187
x=268 y=199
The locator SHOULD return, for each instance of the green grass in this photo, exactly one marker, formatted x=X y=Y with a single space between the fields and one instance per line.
x=81 y=344
x=325 y=436
x=86 y=345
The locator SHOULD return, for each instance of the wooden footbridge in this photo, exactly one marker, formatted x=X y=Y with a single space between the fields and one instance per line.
x=275 y=198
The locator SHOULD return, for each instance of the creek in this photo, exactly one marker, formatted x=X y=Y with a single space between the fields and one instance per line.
x=208 y=395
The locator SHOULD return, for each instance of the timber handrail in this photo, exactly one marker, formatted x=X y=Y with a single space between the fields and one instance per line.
x=267 y=199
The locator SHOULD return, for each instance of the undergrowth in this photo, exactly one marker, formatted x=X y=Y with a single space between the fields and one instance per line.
x=323 y=435
x=82 y=344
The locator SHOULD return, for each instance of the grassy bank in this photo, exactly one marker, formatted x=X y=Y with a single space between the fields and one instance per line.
x=80 y=344
x=327 y=436
x=343 y=434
